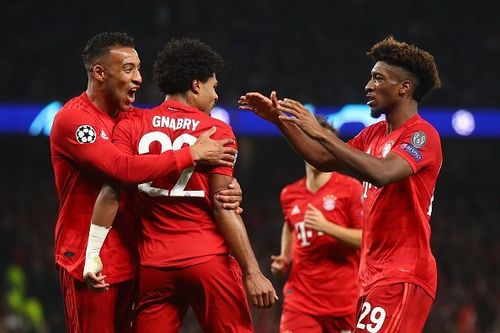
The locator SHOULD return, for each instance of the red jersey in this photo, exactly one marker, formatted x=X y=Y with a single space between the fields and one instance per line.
x=396 y=231
x=178 y=227
x=82 y=156
x=323 y=280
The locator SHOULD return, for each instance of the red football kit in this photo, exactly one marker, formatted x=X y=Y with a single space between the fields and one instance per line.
x=83 y=157
x=179 y=234
x=396 y=231
x=323 y=281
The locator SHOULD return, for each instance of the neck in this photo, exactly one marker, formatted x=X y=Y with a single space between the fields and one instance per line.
x=316 y=179
x=100 y=100
x=400 y=114
x=183 y=98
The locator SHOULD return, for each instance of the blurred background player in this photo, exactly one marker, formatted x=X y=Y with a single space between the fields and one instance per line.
x=186 y=233
x=399 y=160
x=320 y=245
x=82 y=157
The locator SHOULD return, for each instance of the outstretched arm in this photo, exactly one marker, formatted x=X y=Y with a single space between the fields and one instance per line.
x=259 y=288
x=377 y=171
x=312 y=151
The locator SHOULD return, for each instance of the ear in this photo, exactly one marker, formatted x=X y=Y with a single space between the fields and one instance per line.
x=196 y=86
x=405 y=87
x=98 y=73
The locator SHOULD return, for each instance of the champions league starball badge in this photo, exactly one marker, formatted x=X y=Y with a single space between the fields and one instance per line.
x=418 y=139
x=85 y=134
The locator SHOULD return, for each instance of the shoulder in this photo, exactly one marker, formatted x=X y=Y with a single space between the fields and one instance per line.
x=292 y=189
x=73 y=109
x=422 y=135
x=423 y=125
x=74 y=116
x=223 y=129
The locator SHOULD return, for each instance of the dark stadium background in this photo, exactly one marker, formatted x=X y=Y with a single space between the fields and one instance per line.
x=313 y=51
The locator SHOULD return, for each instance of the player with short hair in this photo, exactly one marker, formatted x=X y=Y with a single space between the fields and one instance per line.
x=399 y=160
x=186 y=235
x=320 y=244
x=83 y=156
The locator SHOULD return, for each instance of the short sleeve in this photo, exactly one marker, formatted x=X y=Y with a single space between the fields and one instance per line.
x=81 y=137
x=419 y=146
x=224 y=131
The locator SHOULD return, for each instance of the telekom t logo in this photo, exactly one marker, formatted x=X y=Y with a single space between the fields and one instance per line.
x=304 y=234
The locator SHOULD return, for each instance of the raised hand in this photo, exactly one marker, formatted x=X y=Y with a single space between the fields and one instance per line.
x=231 y=197
x=280 y=266
x=314 y=219
x=294 y=112
x=262 y=106
x=213 y=152
x=260 y=290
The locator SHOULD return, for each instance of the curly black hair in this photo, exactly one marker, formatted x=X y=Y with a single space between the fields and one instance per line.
x=101 y=43
x=418 y=62
x=183 y=60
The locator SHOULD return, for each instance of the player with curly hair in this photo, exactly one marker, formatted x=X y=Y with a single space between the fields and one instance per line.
x=83 y=157
x=186 y=235
x=398 y=159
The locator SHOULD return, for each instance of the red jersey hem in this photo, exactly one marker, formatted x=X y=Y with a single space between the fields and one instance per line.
x=381 y=283
x=340 y=313
x=183 y=263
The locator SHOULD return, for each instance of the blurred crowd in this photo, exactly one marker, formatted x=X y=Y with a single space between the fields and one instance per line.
x=464 y=233
x=310 y=50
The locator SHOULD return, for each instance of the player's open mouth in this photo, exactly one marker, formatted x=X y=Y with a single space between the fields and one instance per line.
x=370 y=101
x=131 y=95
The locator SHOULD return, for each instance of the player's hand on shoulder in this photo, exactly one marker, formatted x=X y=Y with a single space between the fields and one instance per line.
x=92 y=274
x=260 y=290
x=280 y=266
x=213 y=152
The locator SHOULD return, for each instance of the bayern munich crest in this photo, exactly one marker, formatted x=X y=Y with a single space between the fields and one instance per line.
x=329 y=202
x=85 y=134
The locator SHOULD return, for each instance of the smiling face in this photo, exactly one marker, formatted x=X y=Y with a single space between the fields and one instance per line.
x=121 y=76
x=384 y=89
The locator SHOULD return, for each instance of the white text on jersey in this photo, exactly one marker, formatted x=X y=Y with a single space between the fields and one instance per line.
x=175 y=124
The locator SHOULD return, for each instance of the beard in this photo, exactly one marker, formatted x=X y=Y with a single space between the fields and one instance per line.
x=375 y=113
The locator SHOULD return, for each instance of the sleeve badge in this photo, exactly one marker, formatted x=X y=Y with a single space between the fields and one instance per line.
x=85 y=134
x=418 y=139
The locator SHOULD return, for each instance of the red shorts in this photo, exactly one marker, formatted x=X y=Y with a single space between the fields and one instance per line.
x=299 y=322
x=213 y=289
x=90 y=312
x=395 y=308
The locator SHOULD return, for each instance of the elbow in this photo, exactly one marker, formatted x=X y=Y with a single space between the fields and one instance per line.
x=378 y=181
x=380 y=177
